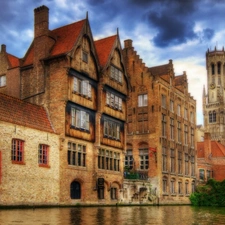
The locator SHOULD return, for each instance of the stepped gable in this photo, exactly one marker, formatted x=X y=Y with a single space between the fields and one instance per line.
x=104 y=48
x=19 y=112
x=65 y=38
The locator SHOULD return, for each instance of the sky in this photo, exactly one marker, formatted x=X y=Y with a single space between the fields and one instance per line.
x=181 y=30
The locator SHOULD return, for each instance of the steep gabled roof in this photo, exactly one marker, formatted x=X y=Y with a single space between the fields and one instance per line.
x=160 y=70
x=19 y=112
x=65 y=38
x=13 y=60
x=104 y=48
x=217 y=149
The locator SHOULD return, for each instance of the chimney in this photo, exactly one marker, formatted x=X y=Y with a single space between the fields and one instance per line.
x=128 y=43
x=207 y=145
x=41 y=20
x=3 y=48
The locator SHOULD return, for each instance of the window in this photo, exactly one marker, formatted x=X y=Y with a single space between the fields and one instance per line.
x=43 y=154
x=113 y=193
x=164 y=158
x=116 y=74
x=164 y=185
x=17 y=152
x=212 y=117
x=192 y=165
x=2 y=80
x=76 y=154
x=82 y=87
x=75 y=190
x=111 y=129
x=179 y=132
x=208 y=174
x=201 y=174
x=142 y=100
x=171 y=106
x=180 y=187
x=171 y=128
x=143 y=156
x=185 y=134
x=213 y=69
x=179 y=162
x=108 y=160
x=79 y=119
x=192 y=137
x=172 y=186
x=85 y=56
x=186 y=164
x=164 y=101
x=113 y=101
x=192 y=117
x=185 y=114
x=163 y=125
x=178 y=110
x=193 y=186
x=186 y=188
x=129 y=159
x=218 y=67
x=172 y=161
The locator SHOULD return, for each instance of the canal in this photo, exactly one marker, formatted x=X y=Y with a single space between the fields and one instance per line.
x=134 y=215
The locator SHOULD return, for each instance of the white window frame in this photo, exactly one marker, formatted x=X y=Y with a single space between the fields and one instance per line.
x=142 y=100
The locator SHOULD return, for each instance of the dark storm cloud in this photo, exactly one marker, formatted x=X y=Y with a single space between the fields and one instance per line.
x=173 y=20
x=208 y=34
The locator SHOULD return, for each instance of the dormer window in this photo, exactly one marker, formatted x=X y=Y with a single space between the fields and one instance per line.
x=84 y=56
x=2 y=80
x=116 y=74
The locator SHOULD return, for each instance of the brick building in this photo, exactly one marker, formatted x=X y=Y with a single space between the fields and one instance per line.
x=29 y=154
x=211 y=159
x=108 y=110
x=161 y=118
x=83 y=86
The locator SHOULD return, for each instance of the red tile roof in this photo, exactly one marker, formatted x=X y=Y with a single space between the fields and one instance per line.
x=66 y=37
x=104 y=47
x=217 y=149
x=13 y=60
x=19 y=112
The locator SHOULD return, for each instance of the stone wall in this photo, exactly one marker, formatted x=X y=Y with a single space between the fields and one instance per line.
x=28 y=183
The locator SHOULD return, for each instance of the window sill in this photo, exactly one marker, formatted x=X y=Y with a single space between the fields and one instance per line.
x=80 y=129
x=75 y=167
x=18 y=162
x=44 y=166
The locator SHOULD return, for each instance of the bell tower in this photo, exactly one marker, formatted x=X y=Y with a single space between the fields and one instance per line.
x=214 y=95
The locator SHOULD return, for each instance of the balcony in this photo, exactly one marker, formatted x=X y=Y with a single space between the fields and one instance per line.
x=138 y=175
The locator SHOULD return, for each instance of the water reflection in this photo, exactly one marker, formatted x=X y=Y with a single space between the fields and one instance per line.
x=134 y=215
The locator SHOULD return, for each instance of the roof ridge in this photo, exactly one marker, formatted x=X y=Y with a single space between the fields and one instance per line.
x=68 y=24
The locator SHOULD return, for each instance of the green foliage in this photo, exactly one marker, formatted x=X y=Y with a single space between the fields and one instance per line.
x=211 y=194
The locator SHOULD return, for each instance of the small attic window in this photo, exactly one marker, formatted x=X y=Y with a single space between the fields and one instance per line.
x=85 y=56
x=2 y=80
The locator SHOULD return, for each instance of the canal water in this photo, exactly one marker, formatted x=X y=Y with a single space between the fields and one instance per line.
x=133 y=215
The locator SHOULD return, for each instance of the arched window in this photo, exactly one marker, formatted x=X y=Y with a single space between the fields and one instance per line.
x=172 y=186
x=165 y=185
x=218 y=67
x=213 y=68
x=75 y=190
x=193 y=186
